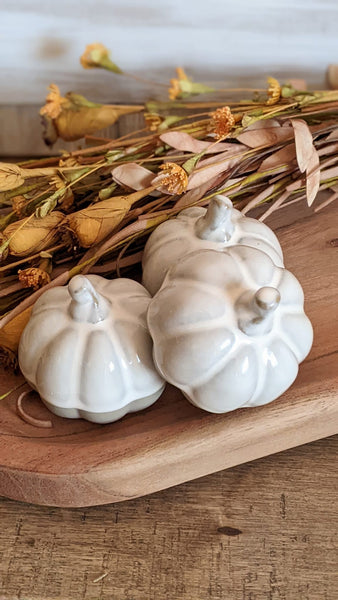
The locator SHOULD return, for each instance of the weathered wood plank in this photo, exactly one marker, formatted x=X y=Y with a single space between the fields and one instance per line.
x=177 y=544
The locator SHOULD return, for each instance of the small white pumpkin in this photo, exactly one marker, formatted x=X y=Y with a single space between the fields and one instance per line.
x=215 y=228
x=229 y=328
x=87 y=351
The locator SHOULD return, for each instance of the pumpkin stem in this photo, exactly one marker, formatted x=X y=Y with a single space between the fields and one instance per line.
x=87 y=304
x=255 y=310
x=216 y=224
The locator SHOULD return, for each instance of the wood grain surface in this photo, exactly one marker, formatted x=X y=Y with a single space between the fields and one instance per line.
x=261 y=531
x=77 y=463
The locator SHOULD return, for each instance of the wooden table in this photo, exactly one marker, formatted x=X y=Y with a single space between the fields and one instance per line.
x=264 y=530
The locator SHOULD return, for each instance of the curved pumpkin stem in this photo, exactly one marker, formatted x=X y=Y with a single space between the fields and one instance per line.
x=87 y=304
x=216 y=224
x=255 y=310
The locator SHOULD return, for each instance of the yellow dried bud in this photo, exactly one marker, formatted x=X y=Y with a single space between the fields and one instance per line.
x=33 y=277
x=33 y=235
x=222 y=121
x=274 y=91
x=172 y=180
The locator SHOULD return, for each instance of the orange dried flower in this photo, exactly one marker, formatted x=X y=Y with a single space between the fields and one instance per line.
x=175 y=89
x=93 y=55
x=173 y=178
x=274 y=91
x=54 y=103
x=34 y=277
x=222 y=121
x=98 y=56
x=152 y=121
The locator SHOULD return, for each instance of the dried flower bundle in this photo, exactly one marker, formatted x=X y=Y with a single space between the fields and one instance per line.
x=91 y=210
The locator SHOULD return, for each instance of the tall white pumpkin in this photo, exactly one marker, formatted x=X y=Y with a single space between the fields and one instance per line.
x=215 y=228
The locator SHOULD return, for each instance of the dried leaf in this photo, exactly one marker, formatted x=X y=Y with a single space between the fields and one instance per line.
x=329 y=174
x=25 y=238
x=10 y=176
x=133 y=176
x=258 y=199
x=211 y=167
x=186 y=143
x=265 y=132
x=333 y=135
x=195 y=194
x=312 y=177
x=304 y=144
x=282 y=158
x=328 y=149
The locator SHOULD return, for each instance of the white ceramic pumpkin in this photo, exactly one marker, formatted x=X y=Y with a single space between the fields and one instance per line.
x=87 y=351
x=215 y=228
x=229 y=328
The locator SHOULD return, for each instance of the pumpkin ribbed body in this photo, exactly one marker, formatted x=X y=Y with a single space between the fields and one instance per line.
x=84 y=363
x=229 y=328
x=197 y=228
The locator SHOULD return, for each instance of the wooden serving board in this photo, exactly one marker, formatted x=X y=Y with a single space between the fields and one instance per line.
x=80 y=464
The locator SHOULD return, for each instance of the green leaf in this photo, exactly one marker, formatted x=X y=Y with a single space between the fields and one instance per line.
x=72 y=176
x=44 y=209
x=191 y=163
x=7 y=219
x=79 y=100
x=288 y=91
x=107 y=192
x=189 y=88
x=168 y=121
x=105 y=62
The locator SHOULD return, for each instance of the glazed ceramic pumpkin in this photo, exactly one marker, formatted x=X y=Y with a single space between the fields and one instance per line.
x=229 y=328
x=217 y=227
x=87 y=351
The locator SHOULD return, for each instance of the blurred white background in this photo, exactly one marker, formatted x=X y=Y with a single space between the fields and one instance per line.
x=231 y=43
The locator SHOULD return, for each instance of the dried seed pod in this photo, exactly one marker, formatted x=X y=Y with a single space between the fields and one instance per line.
x=91 y=225
x=9 y=338
x=31 y=235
